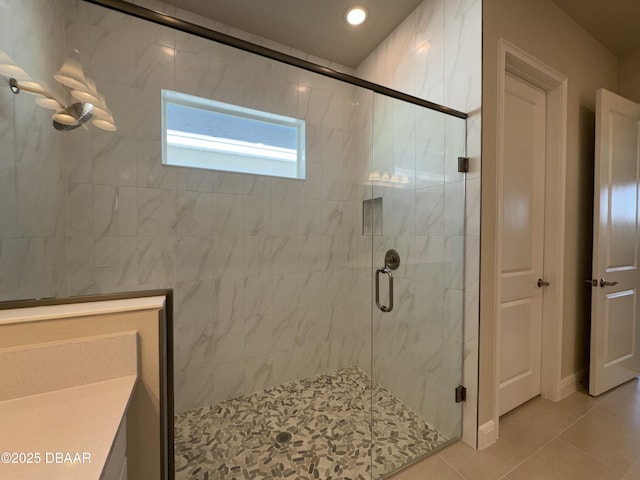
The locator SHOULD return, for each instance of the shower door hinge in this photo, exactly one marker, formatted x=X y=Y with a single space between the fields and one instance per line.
x=461 y=394
x=463 y=164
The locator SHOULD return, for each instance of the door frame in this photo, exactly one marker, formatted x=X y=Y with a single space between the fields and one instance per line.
x=519 y=63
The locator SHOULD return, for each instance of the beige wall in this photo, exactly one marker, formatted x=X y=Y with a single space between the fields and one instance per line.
x=143 y=417
x=629 y=76
x=543 y=30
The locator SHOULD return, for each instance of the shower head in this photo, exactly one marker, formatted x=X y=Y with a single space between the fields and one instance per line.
x=67 y=118
x=73 y=116
x=91 y=104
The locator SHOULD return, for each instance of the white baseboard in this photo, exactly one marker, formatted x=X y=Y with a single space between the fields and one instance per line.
x=487 y=434
x=569 y=384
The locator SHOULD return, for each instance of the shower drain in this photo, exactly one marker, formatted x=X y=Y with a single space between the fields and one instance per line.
x=283 y=437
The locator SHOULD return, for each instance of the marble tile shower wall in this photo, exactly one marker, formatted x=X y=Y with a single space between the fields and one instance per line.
x=434 y=54
x=32 y=193
x=262 y=267
x=225 y=242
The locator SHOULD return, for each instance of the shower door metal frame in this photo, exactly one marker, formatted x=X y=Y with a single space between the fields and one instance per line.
x=209 y=34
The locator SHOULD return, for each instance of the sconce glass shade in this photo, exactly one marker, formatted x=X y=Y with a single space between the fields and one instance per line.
x=89 y=94
x=103 y=118
x=14 y=71
x=64 y=118
x=48 y=103
x=105 y=123
x=8 y=67
x=71 y=75
x=100 y=109
x=86 y=96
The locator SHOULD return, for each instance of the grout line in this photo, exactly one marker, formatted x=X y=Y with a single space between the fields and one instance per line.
x=609 y=466
x=633 y=465
x=504 y=475
x=599 y=401
x=596 y=405
x=452 y=467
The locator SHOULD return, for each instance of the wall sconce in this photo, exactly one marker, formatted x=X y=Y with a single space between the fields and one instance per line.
x=91 y=105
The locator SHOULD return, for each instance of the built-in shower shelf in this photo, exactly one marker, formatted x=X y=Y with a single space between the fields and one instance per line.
x=372 y=216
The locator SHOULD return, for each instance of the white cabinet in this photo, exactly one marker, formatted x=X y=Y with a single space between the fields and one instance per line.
x=116 y=465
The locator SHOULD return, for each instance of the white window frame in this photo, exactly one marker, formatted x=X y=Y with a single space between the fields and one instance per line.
x=184 y=149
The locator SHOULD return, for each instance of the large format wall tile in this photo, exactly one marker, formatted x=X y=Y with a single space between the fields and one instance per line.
x=252 y=259
x=33 y=215
x=272 y=276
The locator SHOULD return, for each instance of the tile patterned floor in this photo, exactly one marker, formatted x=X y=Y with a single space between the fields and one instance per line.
x=580 y=437
x=327 y=417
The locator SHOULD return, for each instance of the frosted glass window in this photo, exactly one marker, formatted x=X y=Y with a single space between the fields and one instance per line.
x=204 y=133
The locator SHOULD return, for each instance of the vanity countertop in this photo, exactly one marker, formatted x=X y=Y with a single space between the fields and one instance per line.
x=66 y=434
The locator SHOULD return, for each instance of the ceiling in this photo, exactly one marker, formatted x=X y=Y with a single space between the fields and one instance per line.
x=615 y=23
x=318 y=27
x=313 y=26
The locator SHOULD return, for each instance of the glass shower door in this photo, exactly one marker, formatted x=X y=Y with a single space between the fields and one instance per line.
x=417 y=207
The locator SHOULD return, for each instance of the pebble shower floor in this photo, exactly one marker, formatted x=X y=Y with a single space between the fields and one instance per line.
x=317 y=428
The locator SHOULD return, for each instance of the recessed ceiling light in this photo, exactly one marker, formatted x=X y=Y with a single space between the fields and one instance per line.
x=356 y=15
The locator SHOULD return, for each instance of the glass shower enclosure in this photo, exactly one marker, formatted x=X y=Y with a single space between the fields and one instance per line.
x=318 y=320
x=418 y=278
x=349 y=352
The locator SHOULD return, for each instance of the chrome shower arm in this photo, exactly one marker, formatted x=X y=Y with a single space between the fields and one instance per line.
x=16 y=88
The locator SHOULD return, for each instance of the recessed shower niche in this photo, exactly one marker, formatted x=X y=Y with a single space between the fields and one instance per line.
x=372 y=216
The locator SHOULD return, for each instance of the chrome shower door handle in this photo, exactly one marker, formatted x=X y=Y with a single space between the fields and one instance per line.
x=384 y=308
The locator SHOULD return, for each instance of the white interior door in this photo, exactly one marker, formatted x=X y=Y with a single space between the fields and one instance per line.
x=521 y=237
x=615 y=356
